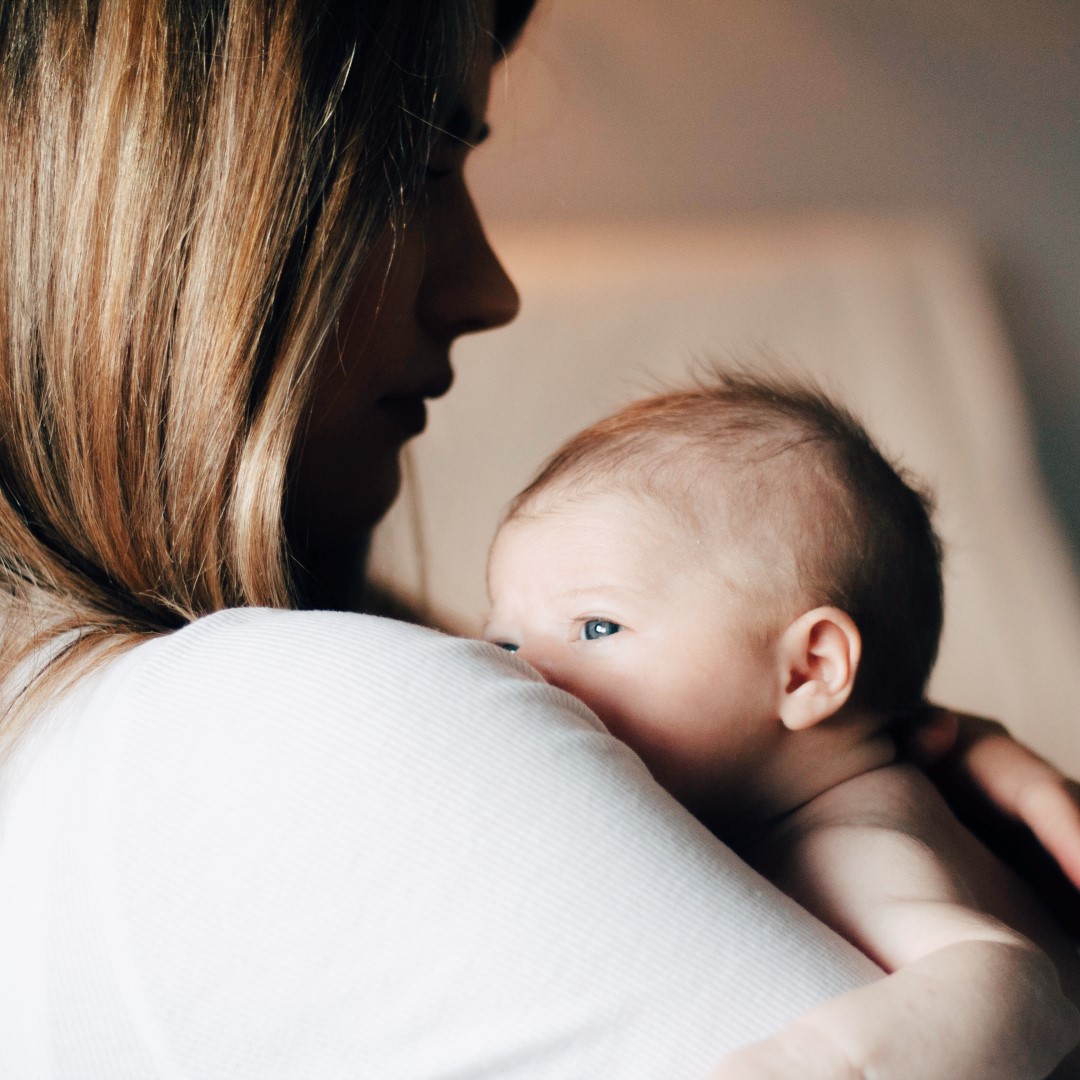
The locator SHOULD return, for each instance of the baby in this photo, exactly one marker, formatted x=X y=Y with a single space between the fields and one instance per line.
x=747 y=593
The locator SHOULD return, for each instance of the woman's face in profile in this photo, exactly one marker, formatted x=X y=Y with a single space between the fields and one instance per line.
x=431 y=282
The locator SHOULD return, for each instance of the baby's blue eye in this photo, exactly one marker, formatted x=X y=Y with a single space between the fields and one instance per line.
x=508 y=646
x=595 y=629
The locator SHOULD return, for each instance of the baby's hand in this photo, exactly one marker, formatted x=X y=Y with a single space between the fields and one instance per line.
x=799 y=1052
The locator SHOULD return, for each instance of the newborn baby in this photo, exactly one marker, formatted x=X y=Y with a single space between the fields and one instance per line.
x=748 y=594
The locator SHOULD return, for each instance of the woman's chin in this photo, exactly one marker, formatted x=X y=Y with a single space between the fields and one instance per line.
x=379 y=492
x=330 y=523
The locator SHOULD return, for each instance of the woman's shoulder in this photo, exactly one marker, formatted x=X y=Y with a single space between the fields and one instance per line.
x=248 y=683
x=258 y=638
x=306 y=844
x=336 y=659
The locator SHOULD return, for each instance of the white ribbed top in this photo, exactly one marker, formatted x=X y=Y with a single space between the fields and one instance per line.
x=308 y=845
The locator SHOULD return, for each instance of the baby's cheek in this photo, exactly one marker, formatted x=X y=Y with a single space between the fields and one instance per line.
x=604 y=700
x=609 y=695
x=634 y=715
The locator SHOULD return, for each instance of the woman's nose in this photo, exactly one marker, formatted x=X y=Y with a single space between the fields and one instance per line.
x=465 y=288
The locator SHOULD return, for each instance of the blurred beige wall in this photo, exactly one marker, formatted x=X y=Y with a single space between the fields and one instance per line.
x=675 y=109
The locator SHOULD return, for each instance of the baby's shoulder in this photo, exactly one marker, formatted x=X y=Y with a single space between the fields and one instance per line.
x=897 y=795
x=888 y=825
x=895 y=804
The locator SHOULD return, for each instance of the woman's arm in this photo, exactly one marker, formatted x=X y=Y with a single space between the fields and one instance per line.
x=1022 y=807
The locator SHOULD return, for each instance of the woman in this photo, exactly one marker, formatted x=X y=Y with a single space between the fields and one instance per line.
x=237 y=838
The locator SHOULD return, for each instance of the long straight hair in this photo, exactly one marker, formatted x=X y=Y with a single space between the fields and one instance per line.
x=189 y=188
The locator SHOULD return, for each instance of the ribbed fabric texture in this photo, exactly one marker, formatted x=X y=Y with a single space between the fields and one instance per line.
x=308 y=845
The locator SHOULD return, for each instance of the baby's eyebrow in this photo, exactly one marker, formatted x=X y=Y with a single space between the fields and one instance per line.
x=607 y=587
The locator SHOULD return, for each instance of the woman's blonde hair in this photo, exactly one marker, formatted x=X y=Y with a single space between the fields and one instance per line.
x=189 y=188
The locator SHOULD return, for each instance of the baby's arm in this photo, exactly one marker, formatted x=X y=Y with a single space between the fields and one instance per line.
x=968 y=997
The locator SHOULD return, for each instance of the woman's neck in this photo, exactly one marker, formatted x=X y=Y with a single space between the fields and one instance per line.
x=332 y=578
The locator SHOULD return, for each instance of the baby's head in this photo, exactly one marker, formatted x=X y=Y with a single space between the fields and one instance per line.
x=711 y=570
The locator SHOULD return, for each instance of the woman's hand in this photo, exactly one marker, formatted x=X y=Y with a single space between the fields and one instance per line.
x=1019 y=804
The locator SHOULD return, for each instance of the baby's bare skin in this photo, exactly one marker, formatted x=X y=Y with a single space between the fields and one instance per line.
x=881 y=860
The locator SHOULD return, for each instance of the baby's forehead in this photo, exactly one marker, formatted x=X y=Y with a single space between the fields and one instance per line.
x=715 y=525
x=600 y=543
x=607 y=511
x=694 y=500
x=615 y=533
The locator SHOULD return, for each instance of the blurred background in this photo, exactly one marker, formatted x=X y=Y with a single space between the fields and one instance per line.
x=884 y=194
x=673 y=109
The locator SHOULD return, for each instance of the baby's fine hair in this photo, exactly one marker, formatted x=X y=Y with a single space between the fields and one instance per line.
x=811 y=506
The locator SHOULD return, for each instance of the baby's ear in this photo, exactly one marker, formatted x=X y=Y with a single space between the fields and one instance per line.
x=819 y=655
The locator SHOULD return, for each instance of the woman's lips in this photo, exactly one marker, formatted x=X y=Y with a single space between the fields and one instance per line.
x=407 y=411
